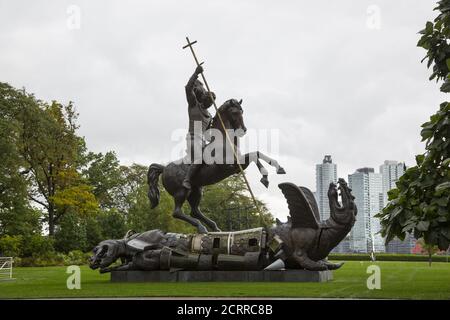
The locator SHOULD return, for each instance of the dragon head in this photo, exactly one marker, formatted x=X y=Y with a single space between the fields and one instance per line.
x=345 y=213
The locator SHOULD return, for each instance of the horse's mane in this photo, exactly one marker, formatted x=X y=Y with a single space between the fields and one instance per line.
x=221 y=110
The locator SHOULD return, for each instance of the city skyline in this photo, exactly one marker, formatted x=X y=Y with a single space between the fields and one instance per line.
x=370 y=190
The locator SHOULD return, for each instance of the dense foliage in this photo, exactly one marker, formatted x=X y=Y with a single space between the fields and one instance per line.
x=421 y=202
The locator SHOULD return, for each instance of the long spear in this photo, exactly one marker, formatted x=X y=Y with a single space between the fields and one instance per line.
x=190 y=44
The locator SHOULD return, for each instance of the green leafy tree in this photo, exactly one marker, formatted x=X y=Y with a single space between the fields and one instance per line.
x=434 y=39
x=420 y=203
x=112 y=224
x=70 y=234
x=428 y=249
x=11 y=246
x=94 y=234
x=133 y=181
x=51 y=152
x=16 y=215
x=73 y=194
x=104 y=175
x=108 y=224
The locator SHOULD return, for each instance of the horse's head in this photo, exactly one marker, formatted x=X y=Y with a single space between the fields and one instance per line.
x=231 y=114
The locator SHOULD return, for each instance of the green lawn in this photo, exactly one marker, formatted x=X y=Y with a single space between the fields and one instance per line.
x=408 y=280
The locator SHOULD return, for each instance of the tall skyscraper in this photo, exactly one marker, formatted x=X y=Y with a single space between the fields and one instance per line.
x=326 y=172
x=391 y=172
x=367 y=189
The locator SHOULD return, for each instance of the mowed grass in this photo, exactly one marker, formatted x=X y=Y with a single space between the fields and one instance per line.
x=404 y=280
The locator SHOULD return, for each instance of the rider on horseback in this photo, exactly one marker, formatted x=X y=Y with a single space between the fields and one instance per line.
x=199 y=100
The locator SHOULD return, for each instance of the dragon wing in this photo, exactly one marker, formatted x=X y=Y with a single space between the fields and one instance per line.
x=302 y=206
x=312 y=202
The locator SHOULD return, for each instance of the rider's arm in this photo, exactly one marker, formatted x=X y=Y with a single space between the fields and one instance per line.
x=190 y=95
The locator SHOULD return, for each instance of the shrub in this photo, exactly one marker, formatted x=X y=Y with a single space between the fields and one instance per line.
x=11 y=246
x=47 y=260
x=37 y=245
x=77 y=257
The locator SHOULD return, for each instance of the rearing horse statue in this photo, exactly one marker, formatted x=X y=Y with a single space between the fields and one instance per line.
x=173 y=174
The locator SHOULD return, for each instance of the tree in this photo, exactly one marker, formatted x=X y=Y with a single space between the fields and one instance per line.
x=70 y=234
x=112 y=224
x=429 y=249
x=132 y=187
x=94 y=232
x=420 y=203
x=16 y=215
x=11 y=246
x=104 y=175
x=51 y=150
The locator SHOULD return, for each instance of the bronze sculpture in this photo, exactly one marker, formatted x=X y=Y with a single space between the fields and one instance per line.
x=174 y=174
x=301 y=243
x=183 y=179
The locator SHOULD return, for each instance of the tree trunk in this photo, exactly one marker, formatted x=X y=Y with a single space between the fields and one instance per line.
x=51 y=208
x=429 y=259
x=51 y=220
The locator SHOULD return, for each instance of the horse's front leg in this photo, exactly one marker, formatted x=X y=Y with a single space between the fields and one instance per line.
x=178 y=213
x=252 y=157
x=274 y=163
x=194 y=201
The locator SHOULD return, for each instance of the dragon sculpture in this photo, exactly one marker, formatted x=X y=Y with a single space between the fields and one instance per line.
x=303 y=242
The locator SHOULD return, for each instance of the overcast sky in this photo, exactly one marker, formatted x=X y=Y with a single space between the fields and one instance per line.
x=333 y=77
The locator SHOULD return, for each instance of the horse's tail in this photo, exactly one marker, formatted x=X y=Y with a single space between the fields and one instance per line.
x=152 y=180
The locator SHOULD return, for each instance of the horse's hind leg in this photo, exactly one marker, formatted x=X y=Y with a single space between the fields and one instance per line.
x=178 y=212
x=194 y=201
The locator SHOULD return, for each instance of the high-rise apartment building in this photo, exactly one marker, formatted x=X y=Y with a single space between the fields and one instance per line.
x=391 y=172
x=367 y=189
x=326 y=172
